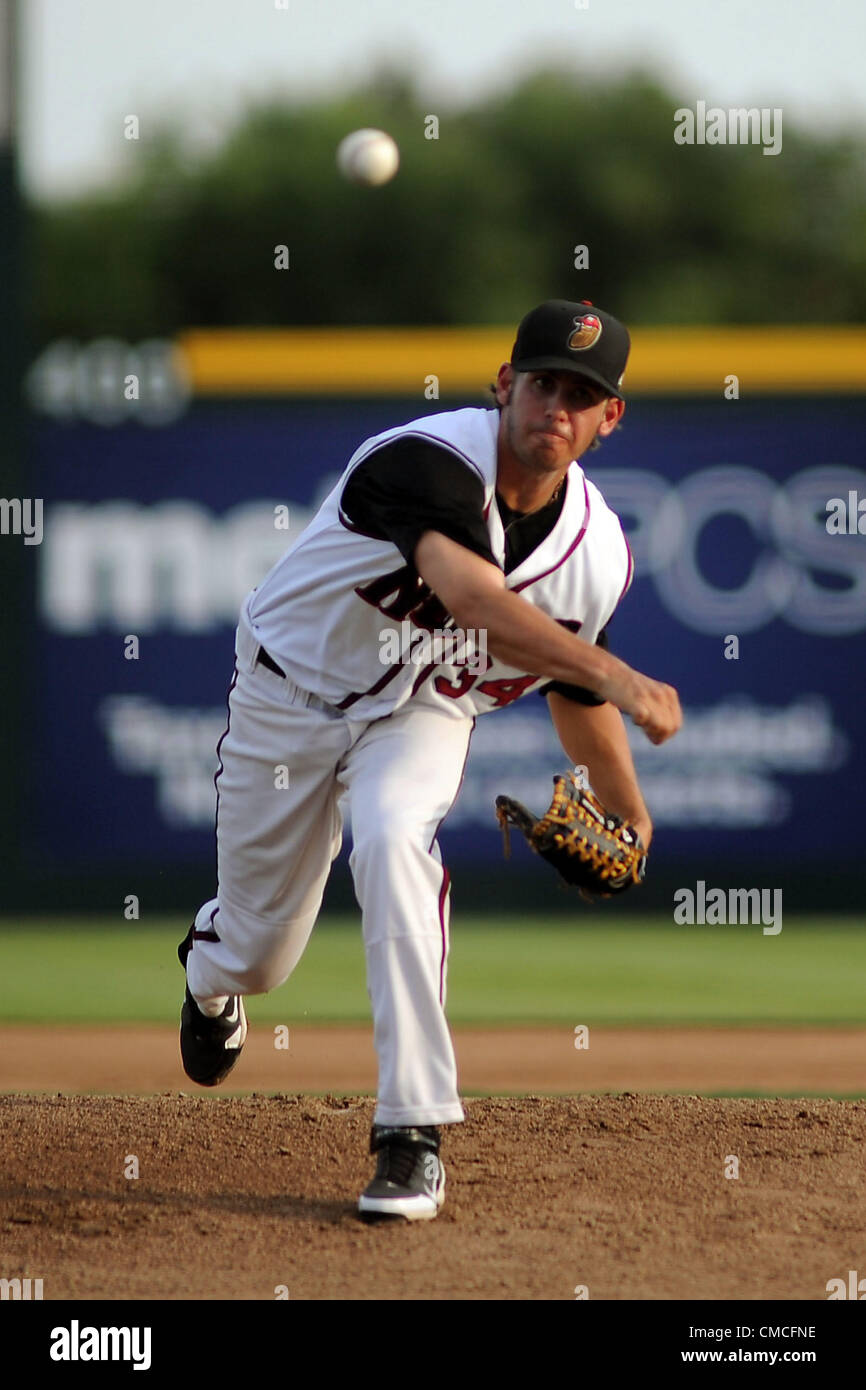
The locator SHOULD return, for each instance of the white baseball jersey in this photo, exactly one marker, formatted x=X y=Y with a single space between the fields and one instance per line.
x=332 y=609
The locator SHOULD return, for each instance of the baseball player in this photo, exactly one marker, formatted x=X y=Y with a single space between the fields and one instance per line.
x=480 y=521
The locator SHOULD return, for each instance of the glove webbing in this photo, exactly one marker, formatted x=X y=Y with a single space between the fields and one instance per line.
x=506 y=832
x=505 y=810
x=573 y=842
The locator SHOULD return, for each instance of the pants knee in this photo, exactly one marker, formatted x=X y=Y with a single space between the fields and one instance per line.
x=390 y=840
x=254 y=956
x=262 y=976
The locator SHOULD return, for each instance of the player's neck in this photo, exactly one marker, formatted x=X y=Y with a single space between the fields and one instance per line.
x=523 y=491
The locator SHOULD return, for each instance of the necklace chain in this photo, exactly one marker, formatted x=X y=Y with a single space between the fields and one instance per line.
x=551 y=499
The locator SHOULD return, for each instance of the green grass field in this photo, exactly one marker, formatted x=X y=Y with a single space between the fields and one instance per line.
x=81 y=970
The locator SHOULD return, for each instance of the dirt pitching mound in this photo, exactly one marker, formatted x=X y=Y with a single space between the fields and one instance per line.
x=245 y=1198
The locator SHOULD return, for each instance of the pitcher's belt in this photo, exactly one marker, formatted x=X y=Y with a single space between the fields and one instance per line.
x=268 y=661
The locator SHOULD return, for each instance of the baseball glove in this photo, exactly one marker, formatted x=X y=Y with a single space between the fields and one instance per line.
x=591 y=848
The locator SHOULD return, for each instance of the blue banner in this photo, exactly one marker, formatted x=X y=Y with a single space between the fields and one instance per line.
x=749 y=596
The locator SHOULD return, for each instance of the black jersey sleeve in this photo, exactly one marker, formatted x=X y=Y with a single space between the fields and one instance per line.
x=410 y=486
x=578 y=693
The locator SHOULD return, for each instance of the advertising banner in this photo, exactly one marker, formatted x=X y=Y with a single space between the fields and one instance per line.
x=746 y=519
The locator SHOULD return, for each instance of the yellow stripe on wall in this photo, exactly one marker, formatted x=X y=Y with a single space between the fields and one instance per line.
x=802 y=358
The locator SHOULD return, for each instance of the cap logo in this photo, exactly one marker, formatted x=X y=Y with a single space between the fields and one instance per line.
x=586 y=331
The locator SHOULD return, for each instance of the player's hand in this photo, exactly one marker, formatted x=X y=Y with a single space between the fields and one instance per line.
x=657 y=710
x=652 y=705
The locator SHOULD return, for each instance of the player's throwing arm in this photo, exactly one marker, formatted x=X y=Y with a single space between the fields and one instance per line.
x=519 y=634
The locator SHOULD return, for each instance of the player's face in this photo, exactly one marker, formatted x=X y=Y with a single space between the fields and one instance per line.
x=552 y=417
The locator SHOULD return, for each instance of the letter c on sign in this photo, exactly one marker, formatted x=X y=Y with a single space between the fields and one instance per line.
x=677 y=528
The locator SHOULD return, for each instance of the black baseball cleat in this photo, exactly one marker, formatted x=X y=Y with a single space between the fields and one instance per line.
x=209 y=1047
x=410 y=1178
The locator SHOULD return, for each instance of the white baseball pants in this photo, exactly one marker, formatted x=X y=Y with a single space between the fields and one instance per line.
x=286 y=759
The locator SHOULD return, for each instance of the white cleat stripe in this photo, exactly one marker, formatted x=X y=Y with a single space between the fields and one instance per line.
x=238 y=1037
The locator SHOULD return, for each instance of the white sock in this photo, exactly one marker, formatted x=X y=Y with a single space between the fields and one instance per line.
x=211 y=1008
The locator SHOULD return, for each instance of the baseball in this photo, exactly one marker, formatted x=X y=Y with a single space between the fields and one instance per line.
x=368 y=157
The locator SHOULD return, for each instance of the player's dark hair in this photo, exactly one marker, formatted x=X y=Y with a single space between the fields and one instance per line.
x=596 y=443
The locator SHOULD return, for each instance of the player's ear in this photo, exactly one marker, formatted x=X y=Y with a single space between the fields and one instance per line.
x=504 y=382
x=614 y=409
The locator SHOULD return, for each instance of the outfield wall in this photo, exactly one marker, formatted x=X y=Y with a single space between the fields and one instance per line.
x=154 y=531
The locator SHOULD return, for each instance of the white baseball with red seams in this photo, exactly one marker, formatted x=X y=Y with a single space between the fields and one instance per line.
x=386 y=745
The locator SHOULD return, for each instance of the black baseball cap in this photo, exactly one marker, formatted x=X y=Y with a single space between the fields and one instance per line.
x=561 y=336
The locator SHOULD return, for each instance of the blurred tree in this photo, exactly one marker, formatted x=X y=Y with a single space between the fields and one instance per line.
x=478 y=224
